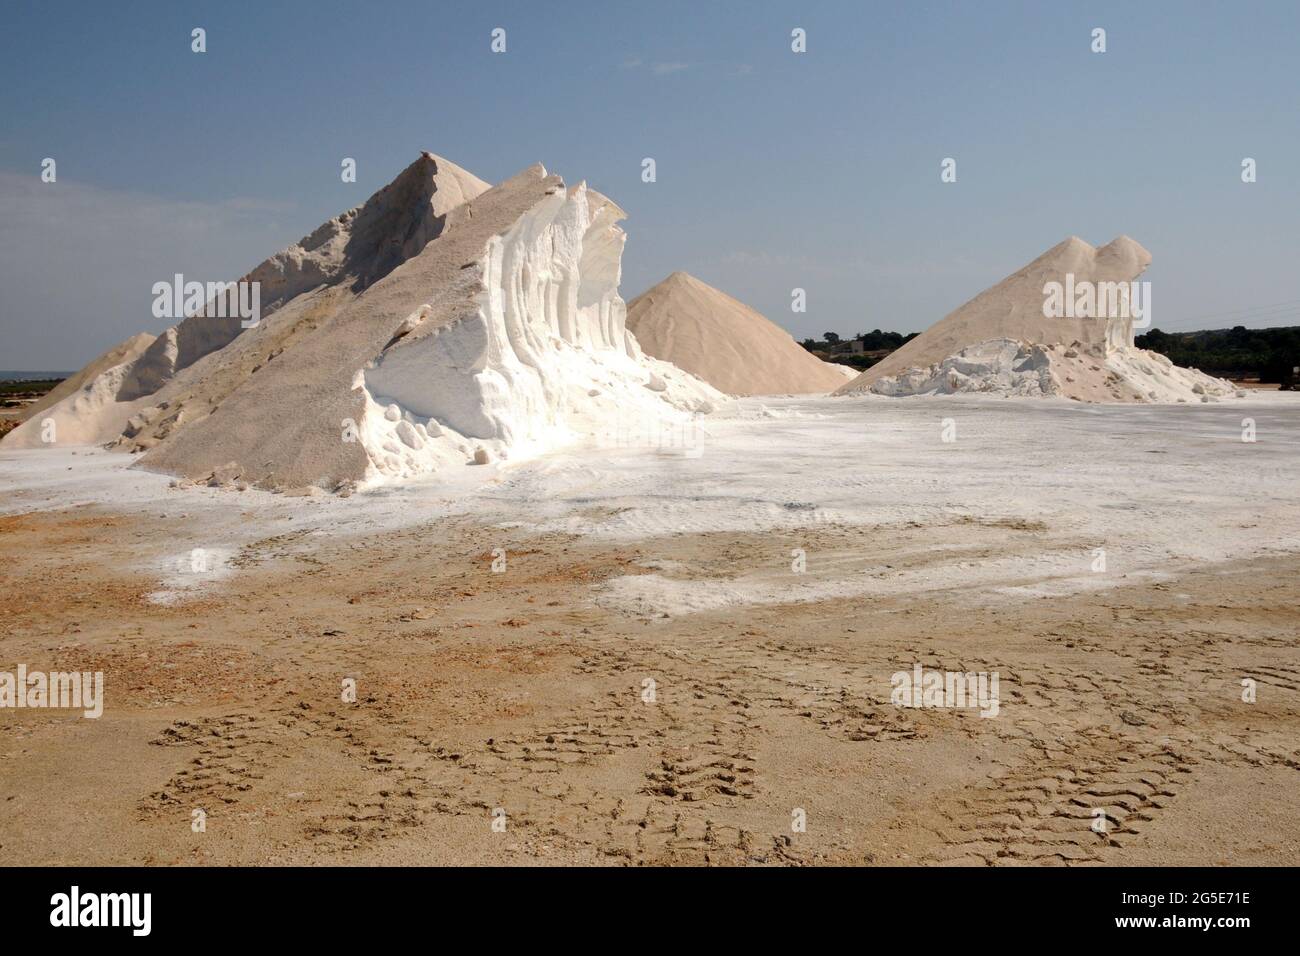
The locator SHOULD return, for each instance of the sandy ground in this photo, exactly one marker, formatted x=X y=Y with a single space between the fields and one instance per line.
x=523 y=690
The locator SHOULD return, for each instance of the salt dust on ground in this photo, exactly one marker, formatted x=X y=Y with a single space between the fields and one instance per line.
x=1159 y=488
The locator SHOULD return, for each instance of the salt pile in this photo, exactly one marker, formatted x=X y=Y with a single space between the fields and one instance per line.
x=122 y=352
x=723 y=341
x=1001 y=342
x=76 y=414
x=441 y=323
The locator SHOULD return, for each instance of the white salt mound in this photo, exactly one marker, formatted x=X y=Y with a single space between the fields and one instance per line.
x=441 y=322
x=1004 y=366
x=1001 y=343
x=731 y=346
x=122 y=352
x=1085 y=373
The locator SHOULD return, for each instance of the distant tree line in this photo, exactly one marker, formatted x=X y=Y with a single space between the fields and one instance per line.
x=1271 y=355
x=861 y=351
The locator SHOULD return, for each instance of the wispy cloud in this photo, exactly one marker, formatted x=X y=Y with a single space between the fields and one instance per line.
x=657 y=67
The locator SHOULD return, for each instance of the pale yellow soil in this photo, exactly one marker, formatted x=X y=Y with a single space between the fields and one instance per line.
x=479 y=690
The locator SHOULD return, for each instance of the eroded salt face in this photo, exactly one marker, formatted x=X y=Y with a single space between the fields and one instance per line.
x=543 y=359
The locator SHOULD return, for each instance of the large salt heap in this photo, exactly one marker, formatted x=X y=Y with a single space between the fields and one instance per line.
x=723 y=341
x=439 y=323
x=1001 y=341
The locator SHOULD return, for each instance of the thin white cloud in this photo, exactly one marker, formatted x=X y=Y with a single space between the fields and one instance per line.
x=657 y=67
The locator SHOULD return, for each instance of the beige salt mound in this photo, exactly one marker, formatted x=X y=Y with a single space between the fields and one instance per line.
x=122 y=352
x=183 y=374
x=723 y=341
x=281 y=424
x=352 y=251
x=1013 y=309
x=500 y=338
x=1000 y=342
x=433 y=326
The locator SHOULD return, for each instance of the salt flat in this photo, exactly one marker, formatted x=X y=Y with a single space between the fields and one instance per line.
x=1160 y=488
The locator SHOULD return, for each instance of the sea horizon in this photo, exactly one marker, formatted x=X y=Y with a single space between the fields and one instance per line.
x=9 y=375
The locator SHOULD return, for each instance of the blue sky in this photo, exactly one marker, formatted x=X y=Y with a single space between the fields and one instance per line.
x=775 y=170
